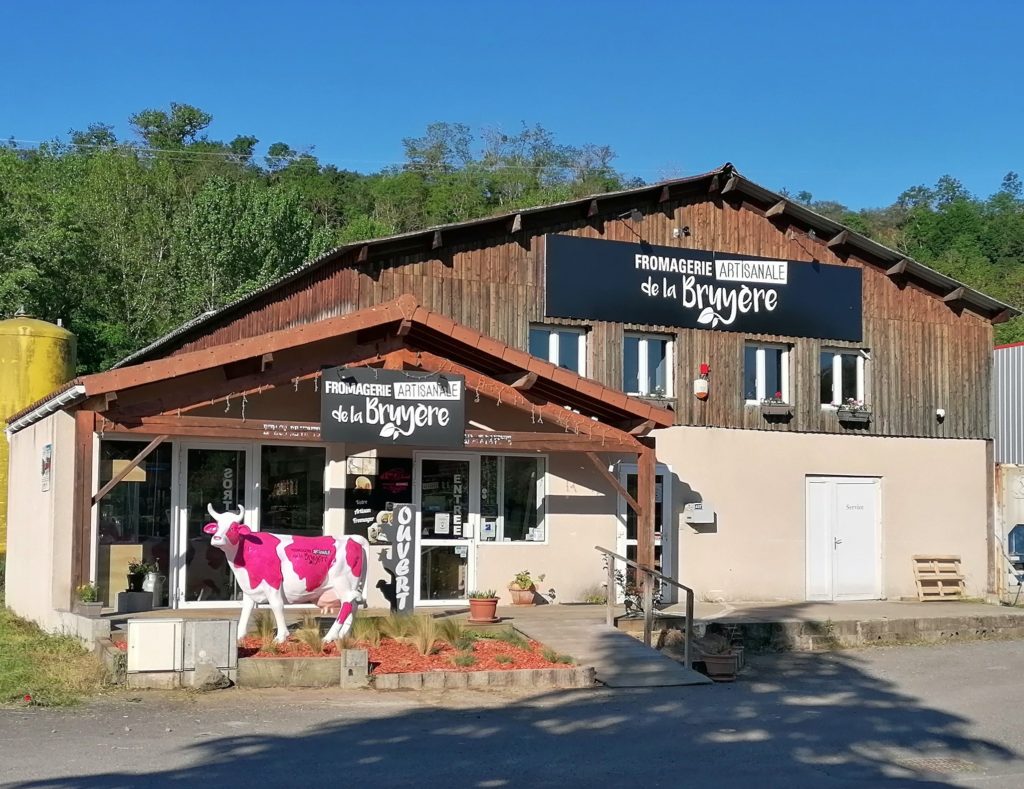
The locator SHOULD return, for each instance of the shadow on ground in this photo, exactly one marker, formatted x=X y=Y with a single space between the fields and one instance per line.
x=793 y=720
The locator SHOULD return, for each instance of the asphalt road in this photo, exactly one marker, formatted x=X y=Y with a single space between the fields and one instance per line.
x=948 y=715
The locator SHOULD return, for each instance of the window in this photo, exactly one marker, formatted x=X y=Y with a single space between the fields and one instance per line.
x=512 y=498
x=647 y=365
x=765 y=373
x=561 y=345
x=292 y=489
x=842 y=376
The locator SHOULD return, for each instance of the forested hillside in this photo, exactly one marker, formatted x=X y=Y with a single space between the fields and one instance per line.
x=126 y=239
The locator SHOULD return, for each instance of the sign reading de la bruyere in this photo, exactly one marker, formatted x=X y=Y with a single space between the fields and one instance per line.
x=367 y=405
x=594 y=279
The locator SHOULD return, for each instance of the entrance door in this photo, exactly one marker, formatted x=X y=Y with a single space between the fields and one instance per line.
x=447 y=489
x=664 y=533
x=212 y=474
x=843 y=538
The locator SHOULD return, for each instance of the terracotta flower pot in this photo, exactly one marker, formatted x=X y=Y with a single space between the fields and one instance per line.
x=522 y=596
x=482 y=609
x=721 y=668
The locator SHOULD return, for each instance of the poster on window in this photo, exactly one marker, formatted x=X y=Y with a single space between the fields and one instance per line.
x=47 y=466
x=371 y=498
x=367 y=405
x=700 y=289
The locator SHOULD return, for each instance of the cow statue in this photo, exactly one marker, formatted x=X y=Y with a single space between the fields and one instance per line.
x=279 y=568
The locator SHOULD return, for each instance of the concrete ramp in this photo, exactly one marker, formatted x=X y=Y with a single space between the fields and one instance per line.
x=620 y=660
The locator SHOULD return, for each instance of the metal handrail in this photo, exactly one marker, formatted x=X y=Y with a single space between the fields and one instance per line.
x=649 y=600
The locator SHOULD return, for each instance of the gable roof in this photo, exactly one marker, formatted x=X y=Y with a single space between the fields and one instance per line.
x=402 y=318
x=725 y=180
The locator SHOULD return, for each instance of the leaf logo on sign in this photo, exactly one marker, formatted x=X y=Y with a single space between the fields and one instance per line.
x=390 y=430
x=708 y=315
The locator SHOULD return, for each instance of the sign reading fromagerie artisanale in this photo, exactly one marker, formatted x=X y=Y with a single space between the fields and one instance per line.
x=372 y=406
x=593 y=279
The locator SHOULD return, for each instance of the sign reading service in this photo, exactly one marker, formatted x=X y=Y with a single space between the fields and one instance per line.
x=372 y=406
x=594 y=279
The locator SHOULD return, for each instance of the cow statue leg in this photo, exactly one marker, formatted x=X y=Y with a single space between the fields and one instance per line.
x=276 y=602
x=243 y=621
x=346 y=615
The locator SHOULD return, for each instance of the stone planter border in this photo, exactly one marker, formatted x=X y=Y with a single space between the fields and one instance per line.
x=575 y=677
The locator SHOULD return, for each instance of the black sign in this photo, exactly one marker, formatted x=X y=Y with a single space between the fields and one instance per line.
x=366 y=405
x=370 y=498
x=593 y=279
x=400 y=558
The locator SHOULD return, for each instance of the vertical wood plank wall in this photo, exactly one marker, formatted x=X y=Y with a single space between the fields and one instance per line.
x=924 y=354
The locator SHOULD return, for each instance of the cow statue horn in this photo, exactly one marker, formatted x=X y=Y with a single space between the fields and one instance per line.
x=212 y=511
x=241 y=512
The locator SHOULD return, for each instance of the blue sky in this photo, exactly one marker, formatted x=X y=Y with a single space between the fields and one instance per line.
x=850 y=101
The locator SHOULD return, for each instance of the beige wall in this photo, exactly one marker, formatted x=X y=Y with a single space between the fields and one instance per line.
x=39 y=523
x=933 y=500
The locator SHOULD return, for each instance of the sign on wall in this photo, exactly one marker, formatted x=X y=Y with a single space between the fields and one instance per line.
x=400 y=559
x=370 y=497
x=368 y=405
x=46 y=467
x=594 y=279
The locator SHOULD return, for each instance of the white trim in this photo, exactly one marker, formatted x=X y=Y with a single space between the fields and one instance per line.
x=668 y=527
x=837 y=374
x=541 y=494
x=56 y=403
x=760 y=384
x=553 y=354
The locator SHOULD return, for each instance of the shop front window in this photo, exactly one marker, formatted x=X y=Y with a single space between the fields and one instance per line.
x=292 y=490
x=512 y=498
x=134 y=522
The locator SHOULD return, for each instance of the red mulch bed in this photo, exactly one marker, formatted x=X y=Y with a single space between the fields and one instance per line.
x=396 y=657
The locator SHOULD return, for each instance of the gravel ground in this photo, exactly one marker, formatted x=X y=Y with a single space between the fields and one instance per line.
x=948 y=715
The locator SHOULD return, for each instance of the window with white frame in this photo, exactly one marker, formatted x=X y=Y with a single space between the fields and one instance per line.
x=647 y=365
x=563 y=346
x=842 y=376
x=512 y=498
x=765 y=373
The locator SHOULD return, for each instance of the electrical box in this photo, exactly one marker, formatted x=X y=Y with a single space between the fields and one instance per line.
x=154 y=644
x=211 y=640
x=699 y=513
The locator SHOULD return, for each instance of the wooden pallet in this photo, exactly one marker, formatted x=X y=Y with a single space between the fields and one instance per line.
x=938 y=578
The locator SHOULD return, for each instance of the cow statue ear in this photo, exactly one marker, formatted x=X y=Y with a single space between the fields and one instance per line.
x=210 y=528
x=242 y=529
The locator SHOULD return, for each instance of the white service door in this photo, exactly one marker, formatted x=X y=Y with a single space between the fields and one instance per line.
x=843 y=539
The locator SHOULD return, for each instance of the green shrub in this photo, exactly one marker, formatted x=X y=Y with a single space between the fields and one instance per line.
x=367 y=629
x=464 y=659
x=450 y=631
x=504 y=659
x=423 y=634
x=309 y=633
x=396 y=626
x=511 y=637
x=266 y=627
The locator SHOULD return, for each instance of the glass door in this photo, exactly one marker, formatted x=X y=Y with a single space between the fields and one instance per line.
x=663 y=531
x=220 y=475
x=447 y=493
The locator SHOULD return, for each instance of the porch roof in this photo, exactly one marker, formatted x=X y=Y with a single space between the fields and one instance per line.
x=401 y=328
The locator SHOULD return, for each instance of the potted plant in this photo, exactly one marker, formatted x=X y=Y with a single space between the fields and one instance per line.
x=88 y=603
x=137 y=572
x=776 y=406
x=852 y=410
x=523 y=588
x=482 y=606
x=719 y=656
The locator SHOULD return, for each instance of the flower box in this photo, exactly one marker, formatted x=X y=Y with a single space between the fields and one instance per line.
x=776 y=409
x=853 y=415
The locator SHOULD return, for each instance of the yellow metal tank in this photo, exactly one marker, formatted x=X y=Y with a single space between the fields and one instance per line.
x=36 y=358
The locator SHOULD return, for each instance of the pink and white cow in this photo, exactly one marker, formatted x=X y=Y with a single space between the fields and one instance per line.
x=278 y=569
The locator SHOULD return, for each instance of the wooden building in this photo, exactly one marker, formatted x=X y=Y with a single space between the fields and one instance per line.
x=819 y=405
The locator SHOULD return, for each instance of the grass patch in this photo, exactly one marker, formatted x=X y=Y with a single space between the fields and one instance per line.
x=309 y=633
x=52 y=670
x=396 y=626
x=450 y=631
x=506 y=635
x=367 y=629
x=553 y=657
x=464 y=660
x=266 y=627
x=505 y=659
x=423 y=634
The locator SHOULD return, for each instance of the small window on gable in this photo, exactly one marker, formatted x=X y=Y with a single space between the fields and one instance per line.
x=647 y=365
x=766 y=373
x=564 y=346
x=842 y=376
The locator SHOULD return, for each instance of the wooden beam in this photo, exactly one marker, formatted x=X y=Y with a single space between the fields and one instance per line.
x=266 y=362
x=643 y=428
x=404 y=327
x=131 y=466
x=616 y=485
x=776 y=210
x=592 y=209
x=216 y=427
x=664 y=196
x=364 y=253
x=899 y=268
x=715 y=184
x=839 y=239
x=954 y=295
x=1002 y=316
x=517 y=224
x=505 y=394
x=436 y=243
x=516 y=441
x=522 y=381
x=732 y=185
x=394 y=361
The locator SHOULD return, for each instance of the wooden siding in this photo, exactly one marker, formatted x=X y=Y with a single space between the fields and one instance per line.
x=924 y=354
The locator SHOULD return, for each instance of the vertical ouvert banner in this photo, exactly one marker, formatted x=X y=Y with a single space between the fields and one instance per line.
x=399 y=559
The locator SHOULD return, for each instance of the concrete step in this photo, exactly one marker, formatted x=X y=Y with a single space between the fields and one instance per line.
x=619 y=659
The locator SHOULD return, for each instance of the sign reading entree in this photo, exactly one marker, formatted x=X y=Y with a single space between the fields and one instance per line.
x=374 y=406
